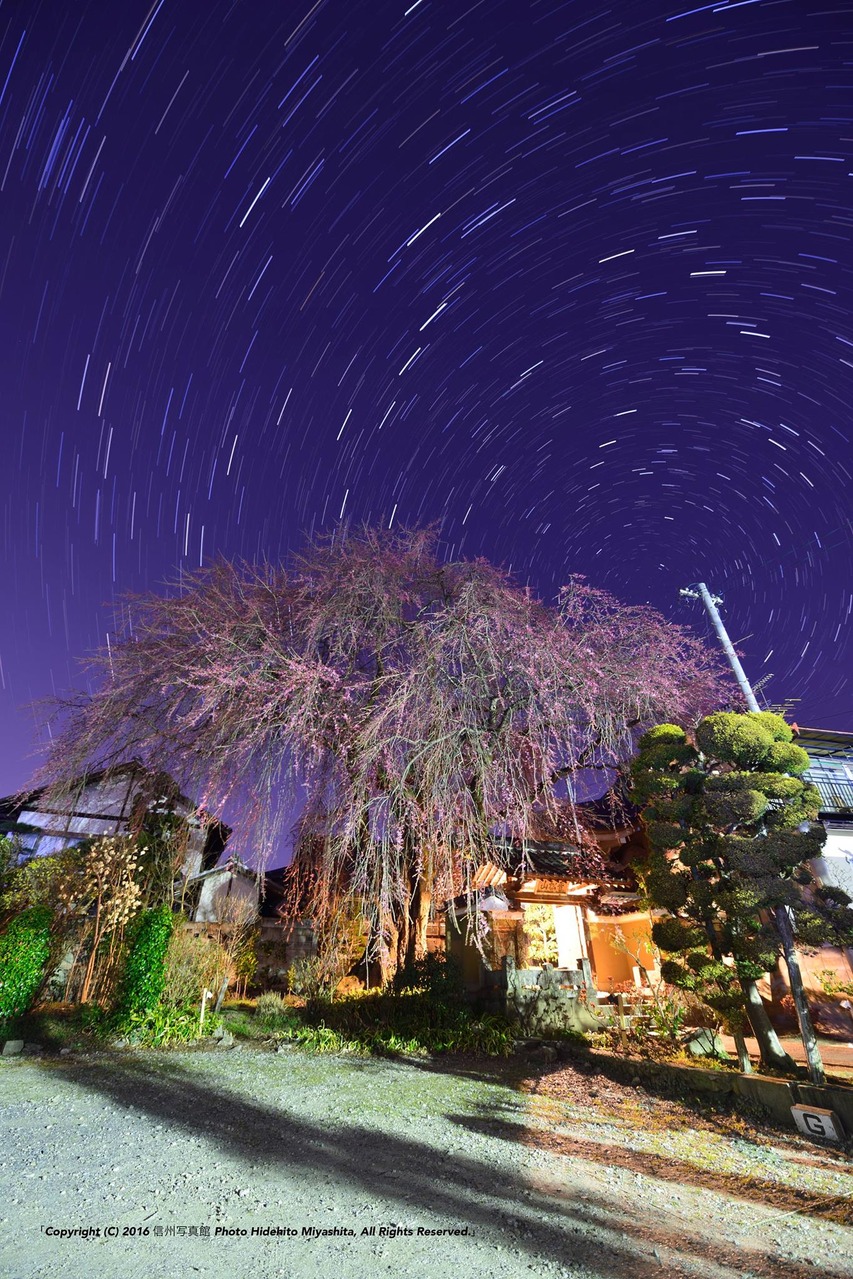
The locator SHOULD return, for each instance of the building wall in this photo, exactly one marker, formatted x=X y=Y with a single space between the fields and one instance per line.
x=224 y=896
x=278 y=948
x=834 y=867
x=610 y=965
x=102 y=807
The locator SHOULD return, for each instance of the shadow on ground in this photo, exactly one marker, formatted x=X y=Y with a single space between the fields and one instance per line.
x=596 y=1229
x=613 y=1155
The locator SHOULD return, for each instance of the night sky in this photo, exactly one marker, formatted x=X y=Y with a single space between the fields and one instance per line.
x=573 y=280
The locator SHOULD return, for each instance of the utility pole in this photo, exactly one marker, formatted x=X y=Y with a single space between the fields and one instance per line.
x=701 y=592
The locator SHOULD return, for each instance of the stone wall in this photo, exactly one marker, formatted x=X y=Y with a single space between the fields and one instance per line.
x=278 y=948
x=547 y=1000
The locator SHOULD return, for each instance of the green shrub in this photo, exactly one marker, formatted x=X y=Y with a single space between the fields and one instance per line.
x=411 y=1023
x=307 y=978
x=145 y=971
x=669 y=733
x=272 y=1013
x=164 y=1025
x=434 y=975
x=24 y=951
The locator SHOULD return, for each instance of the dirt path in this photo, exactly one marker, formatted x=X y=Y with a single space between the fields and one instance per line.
x=177 y=1146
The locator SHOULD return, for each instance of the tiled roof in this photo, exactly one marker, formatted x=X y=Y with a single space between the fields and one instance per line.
x=542 y=856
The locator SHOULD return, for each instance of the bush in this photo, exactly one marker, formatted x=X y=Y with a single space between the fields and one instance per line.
x=145 y=971
x=162 y=1026
x=24 y=951
x=434 y=975
x=403 y=1023
x=193 y=965
x=308 y=978
x=273 y=1013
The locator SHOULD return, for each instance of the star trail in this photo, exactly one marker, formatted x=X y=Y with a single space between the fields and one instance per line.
x=572 y=280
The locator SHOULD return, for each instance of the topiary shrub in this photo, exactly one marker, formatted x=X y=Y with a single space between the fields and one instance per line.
x=145 y=971
x=24 y=951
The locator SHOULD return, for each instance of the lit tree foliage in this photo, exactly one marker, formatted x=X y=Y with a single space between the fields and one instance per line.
x=728 y=822
x=411 y=706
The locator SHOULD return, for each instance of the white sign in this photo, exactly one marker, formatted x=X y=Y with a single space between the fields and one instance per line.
x=812 y=1121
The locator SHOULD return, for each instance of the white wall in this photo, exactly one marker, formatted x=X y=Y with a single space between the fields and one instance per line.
x=222 y=895
x=834 y=867
x=571 y=938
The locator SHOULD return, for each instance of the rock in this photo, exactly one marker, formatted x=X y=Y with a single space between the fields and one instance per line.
x=226 y=1039
x=65 y=1052
x=12 y=1047
x=219 y=1032
x=542 y=1055
x=704 y=1043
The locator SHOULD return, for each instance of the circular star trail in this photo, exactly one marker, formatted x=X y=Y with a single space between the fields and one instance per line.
x=572 y=280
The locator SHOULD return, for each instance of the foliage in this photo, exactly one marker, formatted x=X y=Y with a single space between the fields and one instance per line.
x=275 y=1016
x=10 y=851
x=271 y=1010
x=308 y=978
x=832 y=985
x=246 y=959
x=238 y=939
x=419 y=702
x=24 y=951
x=36 y=882
x=193 y=965
x=162 y=836
x=101 y=891
x=409 y=1023
x=145 y=971
x=727 y=821
x=163 y=1025
x=437 y=976
x=666 y=1010
x=418 y=1019
x=541 y=932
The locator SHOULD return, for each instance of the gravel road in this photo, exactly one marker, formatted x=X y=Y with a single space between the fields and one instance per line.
x=182 y=1156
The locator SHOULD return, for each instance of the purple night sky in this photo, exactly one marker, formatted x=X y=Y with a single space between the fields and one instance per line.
x=573 y=280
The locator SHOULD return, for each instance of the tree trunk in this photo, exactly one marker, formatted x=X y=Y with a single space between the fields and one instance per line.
x=742 y=1053
x=419 y=913
x=93 y=955
x=795 y=977
x=404 y=937
x=773 y=1055
x=388 y=954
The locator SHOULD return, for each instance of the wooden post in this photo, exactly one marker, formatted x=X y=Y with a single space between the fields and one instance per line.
x=621 y=1021
x=586 y=968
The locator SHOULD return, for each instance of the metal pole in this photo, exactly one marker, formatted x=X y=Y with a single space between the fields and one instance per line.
x=710 y=601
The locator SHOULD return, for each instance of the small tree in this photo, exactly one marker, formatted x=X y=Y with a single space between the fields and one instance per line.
x=99 y=890
x=541 y=933
x=728 y=821
x=145 y=971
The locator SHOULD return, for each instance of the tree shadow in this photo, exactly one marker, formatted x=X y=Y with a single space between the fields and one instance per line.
x=455 y=1188
x=784 y=1198
x=715 y=1111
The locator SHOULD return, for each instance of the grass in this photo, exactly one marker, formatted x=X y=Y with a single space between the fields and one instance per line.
x=89 y=1028
x=405 y=1023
